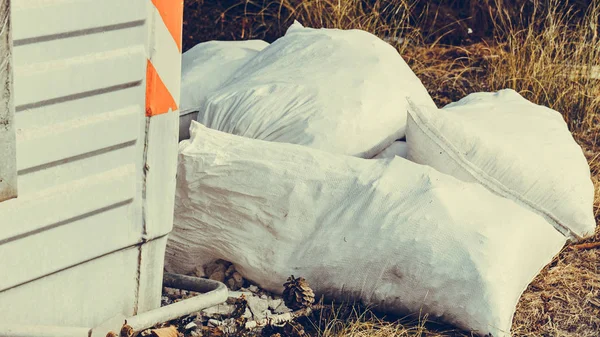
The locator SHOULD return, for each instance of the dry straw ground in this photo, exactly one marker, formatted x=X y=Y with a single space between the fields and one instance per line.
x=545 y=50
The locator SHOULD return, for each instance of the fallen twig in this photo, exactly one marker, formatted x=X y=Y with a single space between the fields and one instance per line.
x=276 y=320
x=589 y=245
x=287 y=317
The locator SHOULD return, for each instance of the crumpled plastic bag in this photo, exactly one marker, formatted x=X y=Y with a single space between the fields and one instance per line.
x=396 y=235
x=342 y=91
x=513 y=147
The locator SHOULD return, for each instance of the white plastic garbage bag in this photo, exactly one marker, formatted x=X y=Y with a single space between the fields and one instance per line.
x=390 y=233
x=205 y=68
x=515 y=148
x=208 y=65
x=341 y=91
x=398 y=148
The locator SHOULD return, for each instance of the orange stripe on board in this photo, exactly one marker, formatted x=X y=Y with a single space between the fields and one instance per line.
x=158 y=98
x=171 y=11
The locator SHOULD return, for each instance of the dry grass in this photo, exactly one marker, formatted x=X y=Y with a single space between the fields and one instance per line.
x=353 y=321
x=534 y=50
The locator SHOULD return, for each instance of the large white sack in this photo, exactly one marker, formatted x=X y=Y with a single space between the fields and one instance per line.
x=341 y=91
x=515 y=148
x=398 y=148
x=208 y=65
x=390 y=233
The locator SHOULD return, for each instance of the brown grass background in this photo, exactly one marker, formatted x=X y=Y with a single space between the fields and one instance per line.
x=545 y=50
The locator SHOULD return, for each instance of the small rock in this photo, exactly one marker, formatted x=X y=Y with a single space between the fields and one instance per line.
x=247 y=314
x=214 y=267
x=230 y=284
x=235 y=281
x=237 y=277
x=281 y=309
x=199 y=271
x=253 y=288
x=218 y=276
x=275 y=303
x=258 y=307
x=230 y=271
x=221 y=309
x=190 y=326
x=214 y=323
x=264 y=297
x=171 y=292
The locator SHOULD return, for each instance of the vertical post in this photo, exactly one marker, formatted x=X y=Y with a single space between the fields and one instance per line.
x=163 y=76
x=8 y=160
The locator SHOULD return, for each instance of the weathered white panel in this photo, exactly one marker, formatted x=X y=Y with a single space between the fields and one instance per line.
x=8 y=170
x=161 y=171
x=151 y=264
x=90 y=293
x=61 y=141
x=92 y=163
x=33 y=213
x=66 y=245
x=75 y=46
x=112 y=99
x=40 y=82
x=81 y=153
x=63 y=16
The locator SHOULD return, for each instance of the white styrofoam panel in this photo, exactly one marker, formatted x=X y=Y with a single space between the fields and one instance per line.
x=33 y=213
x=56 y=142
x=66 y=245
x=35 y=18
x=85 y=295
x=78 y=168
x=161 y=164
x=152 y=264
x=75 y=46
x=37 y=83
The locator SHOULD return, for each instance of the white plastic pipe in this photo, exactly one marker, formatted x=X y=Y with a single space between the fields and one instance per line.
x=213 y=293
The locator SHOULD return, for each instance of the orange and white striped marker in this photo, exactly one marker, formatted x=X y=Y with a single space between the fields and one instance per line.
x=163 y=72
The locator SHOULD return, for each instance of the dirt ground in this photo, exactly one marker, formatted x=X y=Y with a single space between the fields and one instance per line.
x=564 y=300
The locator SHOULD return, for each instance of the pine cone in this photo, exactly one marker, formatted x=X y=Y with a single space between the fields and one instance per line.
x=297 y=293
